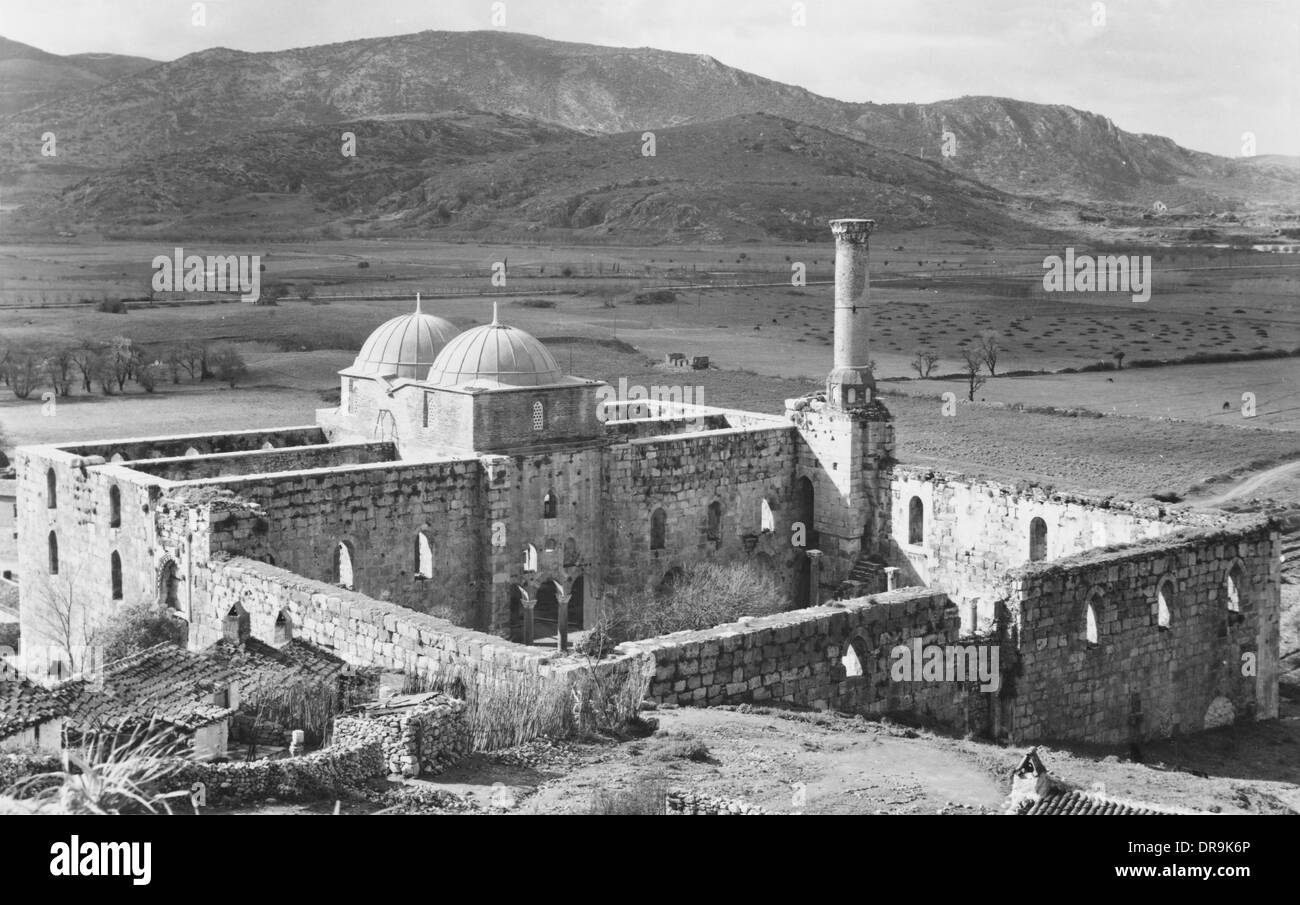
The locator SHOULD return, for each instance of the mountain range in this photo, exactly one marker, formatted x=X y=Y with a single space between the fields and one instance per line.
x=460 y=131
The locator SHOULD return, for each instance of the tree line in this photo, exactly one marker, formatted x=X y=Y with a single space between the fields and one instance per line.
x=107 y=366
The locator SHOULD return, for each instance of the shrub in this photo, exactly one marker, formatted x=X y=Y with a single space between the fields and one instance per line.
x=137 y=627
x=111 y=306
x=648 y=795
x=706 y=594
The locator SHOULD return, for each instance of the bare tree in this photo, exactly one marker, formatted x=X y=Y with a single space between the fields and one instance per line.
x=972 y=364
x=61 y=623
x=1118 y=355
x=990 y=347
x=58 y=368
x=23 y=372
x=925 y=362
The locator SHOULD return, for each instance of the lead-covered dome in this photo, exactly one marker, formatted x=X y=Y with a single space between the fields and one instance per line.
x=495 y=354
x=405 y=346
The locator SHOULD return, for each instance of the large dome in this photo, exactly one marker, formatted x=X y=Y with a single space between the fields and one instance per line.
x=405 y=346
x=495 y=355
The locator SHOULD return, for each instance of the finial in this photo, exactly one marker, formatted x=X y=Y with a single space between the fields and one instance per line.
x=417 y=303
x=495 y=322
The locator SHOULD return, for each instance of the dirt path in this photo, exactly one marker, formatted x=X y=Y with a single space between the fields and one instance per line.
x=1253 y=483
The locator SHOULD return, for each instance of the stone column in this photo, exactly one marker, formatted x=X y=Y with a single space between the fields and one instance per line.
x=814 y=577
x=891 y=578
x=850 y=382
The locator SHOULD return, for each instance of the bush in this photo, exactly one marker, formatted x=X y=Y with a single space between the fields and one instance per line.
x=111 y=306
x=648 y=795
x=706 y=594
x=137 y=627
x=655 y=297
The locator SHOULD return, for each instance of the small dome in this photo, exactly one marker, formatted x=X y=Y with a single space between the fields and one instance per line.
x=497 y=354
x=405 y=346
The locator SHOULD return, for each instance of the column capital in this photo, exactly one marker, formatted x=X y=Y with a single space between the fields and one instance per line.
x=852 y=230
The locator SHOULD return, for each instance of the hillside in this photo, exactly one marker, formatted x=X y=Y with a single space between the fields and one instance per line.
x=30 y=77
x=744 y=177
x=1019 y=147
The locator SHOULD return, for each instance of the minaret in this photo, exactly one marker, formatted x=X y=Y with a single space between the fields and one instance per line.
x=851 y=383
x=846 y=440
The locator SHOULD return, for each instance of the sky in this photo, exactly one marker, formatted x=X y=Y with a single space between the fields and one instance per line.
x=1202 y=72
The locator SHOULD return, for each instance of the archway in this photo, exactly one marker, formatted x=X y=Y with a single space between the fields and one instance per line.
x=805 y=497
x=1037 y=540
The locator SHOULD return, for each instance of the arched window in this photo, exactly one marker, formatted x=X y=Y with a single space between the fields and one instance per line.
x=115 y=574
x=549 y=505
x=658 y=529
x=766 y=521
x=1164 y=598
x=855 y=655
x=423 y=555
x=570 y=552
x=551 y=545
x=117 y=457
x=343 y=568
x=915 y=521
x=51 y=491
x=530 y=558
x=1232 y=590
x=538 y=420
x=237 y=624
x=1090 y=626
x=53 y=543
x=283 y=629
x=169 y=586
x=1037 y=540
x=807 y=511
x=713 y=529
x=268 y=445
x=191 y=452
x=114 y=507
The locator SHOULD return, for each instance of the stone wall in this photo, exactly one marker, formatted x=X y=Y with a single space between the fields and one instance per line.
x=267 y=461
x=682 y=475
x=225 y=442
x=798 y=658
x=378 y=511
x=421 y=735
x=1141 y=678
x=975 y=531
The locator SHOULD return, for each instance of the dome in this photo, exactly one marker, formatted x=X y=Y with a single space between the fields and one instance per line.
x=498 y=354
x=405 y=346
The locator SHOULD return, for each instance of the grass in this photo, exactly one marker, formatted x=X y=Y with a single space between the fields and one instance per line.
x=109 y=775
x=646 y=796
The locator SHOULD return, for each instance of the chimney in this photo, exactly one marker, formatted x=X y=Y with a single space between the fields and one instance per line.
x=851 y=384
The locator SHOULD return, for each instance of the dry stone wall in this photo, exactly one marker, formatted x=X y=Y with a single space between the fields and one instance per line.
x=421 y=735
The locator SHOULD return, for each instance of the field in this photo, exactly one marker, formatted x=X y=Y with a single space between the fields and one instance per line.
x=766 y=343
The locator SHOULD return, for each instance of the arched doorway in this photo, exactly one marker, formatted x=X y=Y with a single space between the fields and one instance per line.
x=576 y=598
x=546 y=614
x=806 y=510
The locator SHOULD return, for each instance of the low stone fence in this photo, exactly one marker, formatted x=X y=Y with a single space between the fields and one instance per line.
x=419 y=734
x=329 y=771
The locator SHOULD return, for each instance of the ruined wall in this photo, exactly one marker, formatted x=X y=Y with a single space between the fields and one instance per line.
x=797 y=658
x=228 y=441
x=59 y=611
x=569 y=541
x=1141 y=679
x=378 y=511
x=683 y=475
x=974 y=532
x=272 y=461
x=845 y=457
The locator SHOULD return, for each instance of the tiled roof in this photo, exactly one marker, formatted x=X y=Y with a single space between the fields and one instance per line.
x=165 y=684
x=1074 y=802
x=254 y=664
x=24 y=703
